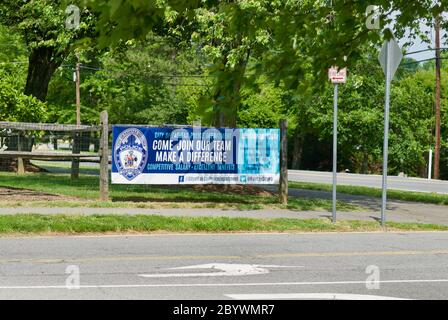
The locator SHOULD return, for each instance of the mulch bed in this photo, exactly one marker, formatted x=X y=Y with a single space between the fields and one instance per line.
x=233 y=189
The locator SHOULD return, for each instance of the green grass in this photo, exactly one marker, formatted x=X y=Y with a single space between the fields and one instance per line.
x=85 y=190
x=65 y=167
x=421 y=197
x=79 y=224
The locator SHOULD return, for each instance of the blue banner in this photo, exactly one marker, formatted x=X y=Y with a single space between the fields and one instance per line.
x=195 y=155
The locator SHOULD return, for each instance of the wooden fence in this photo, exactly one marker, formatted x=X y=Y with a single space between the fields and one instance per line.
x=74 y=156
x=102 y=156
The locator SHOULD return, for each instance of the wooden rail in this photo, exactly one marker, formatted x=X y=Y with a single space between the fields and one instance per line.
x=46 y=155
x=75 y=156
x=25 y=126
x=104 y=154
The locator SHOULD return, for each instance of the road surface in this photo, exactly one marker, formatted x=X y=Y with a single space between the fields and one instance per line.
x=394 y=182
x=227 y=266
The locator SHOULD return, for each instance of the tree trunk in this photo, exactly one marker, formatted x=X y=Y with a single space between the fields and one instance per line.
x=227 y=99
x=227 y=96
x=40 y=70
x=365 y=162
x=297 y=150
x=423 y=170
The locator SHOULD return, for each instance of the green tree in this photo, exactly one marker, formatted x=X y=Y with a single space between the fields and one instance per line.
x=16 y=106
x=361 y=120
x=149 y=81
x=41 y=23
x=287 y=38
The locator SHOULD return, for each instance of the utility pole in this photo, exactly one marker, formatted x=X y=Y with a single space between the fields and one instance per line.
x=78 y=92
x=76 y=149
x=438 y=79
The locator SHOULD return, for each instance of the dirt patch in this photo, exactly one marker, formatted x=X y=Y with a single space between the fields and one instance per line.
x=236 y=189
x=15 y=194
x=26 y=195
x=10 y=165
x=233 y=189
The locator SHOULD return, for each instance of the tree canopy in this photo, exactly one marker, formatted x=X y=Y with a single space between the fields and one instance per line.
x=245 y=63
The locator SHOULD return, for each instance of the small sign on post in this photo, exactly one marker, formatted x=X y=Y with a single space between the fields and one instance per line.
x=337 y=77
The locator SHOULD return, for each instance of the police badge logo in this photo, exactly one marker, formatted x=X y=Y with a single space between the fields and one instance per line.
x=131 y=153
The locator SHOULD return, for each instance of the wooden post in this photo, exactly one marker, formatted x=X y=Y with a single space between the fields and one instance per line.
x=283 y=186
x=20 y=164
x=104 y=157
x=75 y=150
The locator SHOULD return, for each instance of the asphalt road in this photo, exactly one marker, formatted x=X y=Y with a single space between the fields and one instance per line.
x=227 y=266
x=375 y=181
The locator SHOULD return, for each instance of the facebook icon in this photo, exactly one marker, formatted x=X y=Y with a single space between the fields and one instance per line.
x=181 y=179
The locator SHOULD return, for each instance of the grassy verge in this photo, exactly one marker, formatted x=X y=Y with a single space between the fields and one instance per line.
x=85 y=193
x=422 y=197
x=252 y=203
x=78 y=224
x=65 y=167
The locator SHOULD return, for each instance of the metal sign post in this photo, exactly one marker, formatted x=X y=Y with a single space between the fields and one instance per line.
x=336 y=77
x=390 y=58
x=386 y=139
x=335 y=147
x=430 y=165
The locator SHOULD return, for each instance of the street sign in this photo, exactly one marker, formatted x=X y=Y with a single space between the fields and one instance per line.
x=392 y=49
x=390 y=58
x=337 y=76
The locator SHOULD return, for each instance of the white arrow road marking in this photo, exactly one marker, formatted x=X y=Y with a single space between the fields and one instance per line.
x=227 y=269
x=307 y=296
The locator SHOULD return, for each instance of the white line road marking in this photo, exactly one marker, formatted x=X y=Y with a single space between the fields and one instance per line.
x=254 y=284
x=227 y=269
x=307 y=296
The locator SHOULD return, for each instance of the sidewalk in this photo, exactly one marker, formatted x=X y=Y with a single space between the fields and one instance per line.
x=398 y=212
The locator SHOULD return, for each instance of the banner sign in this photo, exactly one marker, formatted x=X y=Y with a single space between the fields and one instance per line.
x=195 y=155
